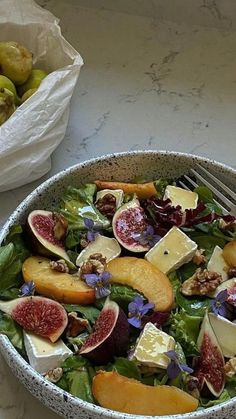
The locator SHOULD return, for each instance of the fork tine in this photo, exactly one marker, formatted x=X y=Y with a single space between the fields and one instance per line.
x=223 y=198
x=225 y=188
x=195 y=186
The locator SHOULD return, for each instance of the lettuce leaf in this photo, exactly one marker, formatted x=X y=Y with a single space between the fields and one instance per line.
x=185 y=329
x=77 y=204
x=192 y=306
x=90 y=313
x=125 y=367
x=224 y=397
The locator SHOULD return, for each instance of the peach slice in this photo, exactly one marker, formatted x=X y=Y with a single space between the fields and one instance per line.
x=142 y=190
x=123 y=394
x=62 y=287
x=144 y=277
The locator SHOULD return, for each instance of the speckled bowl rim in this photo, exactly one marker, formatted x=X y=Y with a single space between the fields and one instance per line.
x=9 y=352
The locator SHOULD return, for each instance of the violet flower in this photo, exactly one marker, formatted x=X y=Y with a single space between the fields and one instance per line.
x=137 y=309
x=27 y=289
x=220 y=306
x=147 y=237
x=91 y=233
x=100 y=283
x=175 y=367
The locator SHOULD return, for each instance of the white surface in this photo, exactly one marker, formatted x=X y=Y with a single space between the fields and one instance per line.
x=145 y=84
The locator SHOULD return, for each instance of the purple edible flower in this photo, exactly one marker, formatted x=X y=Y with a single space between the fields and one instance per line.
x=147 y=237
x=100 y=282
x=175 y=368
x=137 y=309
x=220 y=307
x=27 y=289
x=91 y=233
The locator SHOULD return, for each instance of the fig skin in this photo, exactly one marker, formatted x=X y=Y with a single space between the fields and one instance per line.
x=116 y=341
x=15 y=62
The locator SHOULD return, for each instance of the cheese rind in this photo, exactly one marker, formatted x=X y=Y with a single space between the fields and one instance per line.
x=172 y=251
x=151 y=347
x=218 y=264
x=44 y=355
x=179 y=196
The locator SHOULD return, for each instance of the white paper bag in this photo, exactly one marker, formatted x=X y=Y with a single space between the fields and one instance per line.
x=36 y=128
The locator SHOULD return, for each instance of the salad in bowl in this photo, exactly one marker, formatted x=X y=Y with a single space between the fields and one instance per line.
x=123 y=294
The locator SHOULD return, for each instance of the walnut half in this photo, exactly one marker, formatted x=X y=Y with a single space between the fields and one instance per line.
x=203 y=282
x=95 y=264
x=230 y=367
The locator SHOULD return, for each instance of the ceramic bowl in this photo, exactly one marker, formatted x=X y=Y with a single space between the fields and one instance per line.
x=122 y=166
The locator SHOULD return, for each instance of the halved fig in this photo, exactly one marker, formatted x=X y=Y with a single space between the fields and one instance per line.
x=225 y=332
x=128 y=222
x=39 y=315
x=61 y=286
x=47 y=232
x=110 y=336
x=209 y=368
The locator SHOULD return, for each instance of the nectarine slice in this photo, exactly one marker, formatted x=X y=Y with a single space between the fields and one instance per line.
x=62 y=287
x=123 y=394
x=145 y=278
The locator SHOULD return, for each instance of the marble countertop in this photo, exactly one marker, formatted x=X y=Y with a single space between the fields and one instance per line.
x=150 y=81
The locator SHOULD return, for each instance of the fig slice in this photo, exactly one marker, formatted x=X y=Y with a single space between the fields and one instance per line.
x=209 y=368
x=128 y=221
x=110 y=336
x=42 y=316
x=48 y=231
x=225 y=332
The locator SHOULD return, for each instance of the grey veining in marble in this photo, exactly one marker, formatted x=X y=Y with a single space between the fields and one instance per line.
x=159 y=76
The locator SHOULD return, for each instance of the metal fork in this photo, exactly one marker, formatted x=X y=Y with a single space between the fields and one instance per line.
x=228 y=205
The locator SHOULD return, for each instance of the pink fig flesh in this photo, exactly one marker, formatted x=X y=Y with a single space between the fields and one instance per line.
x=209 y=368
x=40 y=315
x=110 y=336
x=44 y=223
x=128 y=222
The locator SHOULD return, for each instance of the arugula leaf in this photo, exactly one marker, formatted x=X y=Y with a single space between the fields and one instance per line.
x=77 y=204
x=205 y=195
x=79 y=384
x=11 y=329
x=193 y=306
x=74 y=362
x=186 y=271
x=73 y=238
x=125 y=367
x=91 y=313
x=207 y=242
x=15 y=236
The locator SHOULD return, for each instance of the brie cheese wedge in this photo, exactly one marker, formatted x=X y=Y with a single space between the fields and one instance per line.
x=179 y=196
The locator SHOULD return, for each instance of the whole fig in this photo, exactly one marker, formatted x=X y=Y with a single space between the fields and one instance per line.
x=7 y=105
x=15 y=62
x=6 y=83
x=33 y=82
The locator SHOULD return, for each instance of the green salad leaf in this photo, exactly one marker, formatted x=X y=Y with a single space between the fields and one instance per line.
x=185 y=329
x=206 y=196
x=77 y=204
x=224 y=397
x=122 y=295
x=14 y=332
x=125 y=367
x=90 y=313
x=174 y=280
x=192 y=305
x=230 y=386
x=160 y=185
